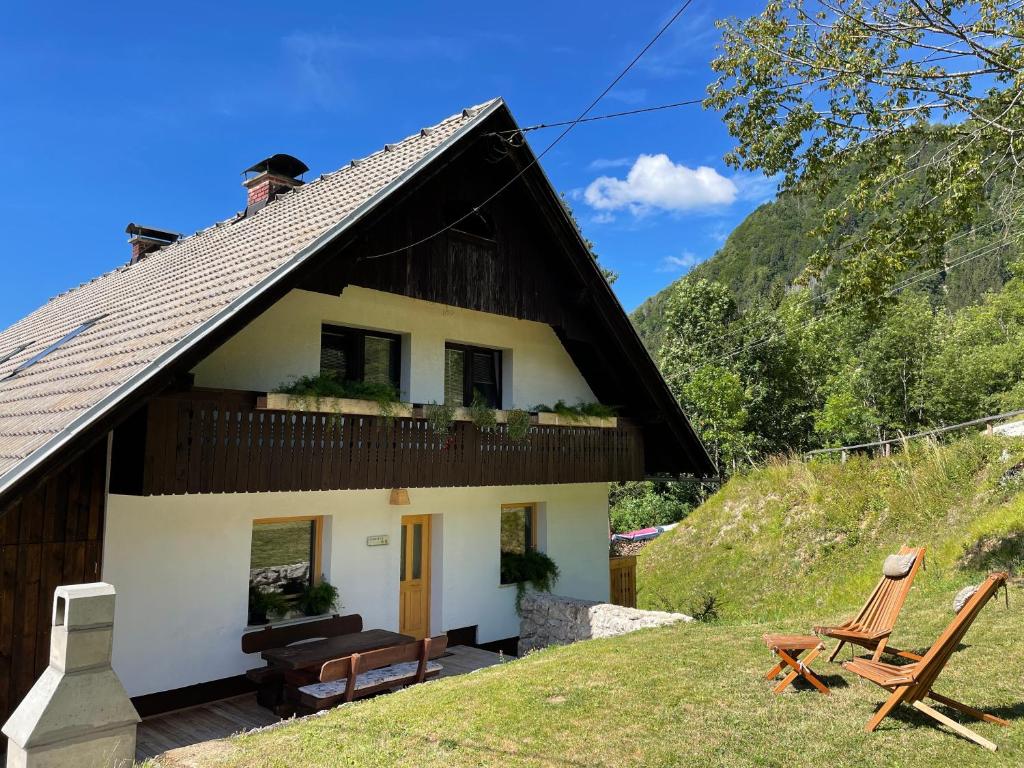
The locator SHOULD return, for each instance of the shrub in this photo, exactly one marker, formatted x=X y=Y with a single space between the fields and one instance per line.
x=319 y=598
x=265 y=604
x=647 y=504
x=481 y=413
x=533 y=568
x=441 y=417
x=518 y=422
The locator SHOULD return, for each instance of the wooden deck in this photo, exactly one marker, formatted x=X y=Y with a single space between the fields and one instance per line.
x=220 y=719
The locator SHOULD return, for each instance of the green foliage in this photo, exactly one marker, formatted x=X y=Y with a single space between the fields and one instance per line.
x=577 y=412
x=812 y=92
x=441 y=418
x=265 y=604
x=531 y=568
x=644 y=504
x=707 y=609
x=798 y=375
x=518 y=422
x=481 y=413
x=318 y=599
x=311 y=388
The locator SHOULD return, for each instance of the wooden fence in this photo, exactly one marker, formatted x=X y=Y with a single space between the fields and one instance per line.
x=220 y=445
x=886 y=446
x=622 y=578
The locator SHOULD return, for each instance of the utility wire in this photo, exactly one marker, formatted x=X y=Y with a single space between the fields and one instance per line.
x=547 y=149
x=609 y=116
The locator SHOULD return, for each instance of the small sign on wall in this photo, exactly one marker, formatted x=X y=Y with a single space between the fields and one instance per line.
x=379 y=540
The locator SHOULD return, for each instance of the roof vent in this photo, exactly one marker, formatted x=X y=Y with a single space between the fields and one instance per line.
x=272 y=176
x=145 y=240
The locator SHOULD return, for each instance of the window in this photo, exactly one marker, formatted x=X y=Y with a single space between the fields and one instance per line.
x=284 y=559
x=352 y=354
x=518 y=532
x=468 y=370
x=56 y=345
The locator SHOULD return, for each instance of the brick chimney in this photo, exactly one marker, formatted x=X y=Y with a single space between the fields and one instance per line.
x=273 y=175
x=145 y=240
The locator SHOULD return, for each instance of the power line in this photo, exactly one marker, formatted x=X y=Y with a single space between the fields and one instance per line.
x=609 y=116
x=547 y=149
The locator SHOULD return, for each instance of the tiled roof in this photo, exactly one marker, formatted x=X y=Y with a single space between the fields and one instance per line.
x=158 y=306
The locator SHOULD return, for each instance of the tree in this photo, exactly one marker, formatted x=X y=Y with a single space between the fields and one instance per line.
x=921 y=98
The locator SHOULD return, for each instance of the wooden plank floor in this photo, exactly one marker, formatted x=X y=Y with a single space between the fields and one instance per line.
x=220 y=719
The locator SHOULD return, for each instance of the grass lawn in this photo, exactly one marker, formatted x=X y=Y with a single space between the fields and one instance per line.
x=686 y=695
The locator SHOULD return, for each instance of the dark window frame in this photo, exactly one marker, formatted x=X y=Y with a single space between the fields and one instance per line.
x=356 y=351
x=531 y=523
x=467 y=370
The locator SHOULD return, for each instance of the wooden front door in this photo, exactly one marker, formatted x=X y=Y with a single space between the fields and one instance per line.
x=414 y=584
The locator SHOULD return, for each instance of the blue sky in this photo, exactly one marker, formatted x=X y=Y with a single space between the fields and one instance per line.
x=149 y=112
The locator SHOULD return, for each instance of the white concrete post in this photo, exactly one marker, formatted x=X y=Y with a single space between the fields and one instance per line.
x=78 y=714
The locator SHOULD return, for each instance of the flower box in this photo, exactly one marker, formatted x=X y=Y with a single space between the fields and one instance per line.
x=547 y=419
x=279 y=401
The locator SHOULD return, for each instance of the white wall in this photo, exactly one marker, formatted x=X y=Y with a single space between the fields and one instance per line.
x=181 y=564
x=284 y=342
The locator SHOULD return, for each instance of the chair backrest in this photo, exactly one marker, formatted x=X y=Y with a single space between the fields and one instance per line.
x=278 y=637
x=421 y=650
x=883 y=607
x=938 y=655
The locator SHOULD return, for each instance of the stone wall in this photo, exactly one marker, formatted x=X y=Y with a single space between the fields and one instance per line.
x=276 y=576
x=555 y=620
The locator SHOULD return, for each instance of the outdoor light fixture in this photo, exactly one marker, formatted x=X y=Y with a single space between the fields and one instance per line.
x=399 y=497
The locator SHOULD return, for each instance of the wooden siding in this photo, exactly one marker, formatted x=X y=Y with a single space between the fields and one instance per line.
x=226 y=445
x=622 y=581
x=50 y=536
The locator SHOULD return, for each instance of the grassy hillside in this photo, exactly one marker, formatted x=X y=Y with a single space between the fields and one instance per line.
x=795 y=539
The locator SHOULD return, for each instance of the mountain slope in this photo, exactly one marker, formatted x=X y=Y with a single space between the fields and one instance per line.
x=770 y=248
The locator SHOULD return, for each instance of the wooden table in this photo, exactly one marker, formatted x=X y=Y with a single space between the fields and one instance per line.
x=788 y=648
x=312 y=654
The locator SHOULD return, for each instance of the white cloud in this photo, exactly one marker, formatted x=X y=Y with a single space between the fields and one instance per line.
x=603 y=163
x=603 y=218
x=682 y=263
x=655 y=182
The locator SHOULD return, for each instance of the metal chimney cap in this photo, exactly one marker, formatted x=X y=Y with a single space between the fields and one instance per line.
x=279 y=165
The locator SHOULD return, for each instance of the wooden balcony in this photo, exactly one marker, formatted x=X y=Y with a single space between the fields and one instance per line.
x=223 y=443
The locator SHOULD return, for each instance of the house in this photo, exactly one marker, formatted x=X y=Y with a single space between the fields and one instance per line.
x=142 y=444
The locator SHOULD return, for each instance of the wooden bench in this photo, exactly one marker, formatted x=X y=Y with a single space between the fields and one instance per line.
x=365 y=674
x=268 y=679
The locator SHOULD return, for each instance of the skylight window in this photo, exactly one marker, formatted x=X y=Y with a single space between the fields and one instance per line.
x=56 y=345
x=16 y=351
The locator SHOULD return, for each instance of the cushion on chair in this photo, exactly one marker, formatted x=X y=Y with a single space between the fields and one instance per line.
x=898 y=566
x=368 y=679
x=962 y=597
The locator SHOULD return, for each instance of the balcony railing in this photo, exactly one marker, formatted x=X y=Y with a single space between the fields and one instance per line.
x=224 y=444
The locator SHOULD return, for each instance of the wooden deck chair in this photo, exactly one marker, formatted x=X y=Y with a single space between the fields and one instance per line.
x=911 y=683
x=872 y=626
